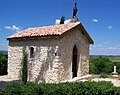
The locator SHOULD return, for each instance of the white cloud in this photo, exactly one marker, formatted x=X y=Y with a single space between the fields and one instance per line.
x=105 y=42
x=109 y=27
x=13 y=27
x=90 y=48
x=67 y=21
x=105 y=49
x=118 y=45
x=110 y=48
x=57 y=21
x=113 y=48
x=99 y=45
x=94 y=46
x=95 y=20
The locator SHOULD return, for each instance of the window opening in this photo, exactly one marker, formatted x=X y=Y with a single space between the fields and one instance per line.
x=31 y=52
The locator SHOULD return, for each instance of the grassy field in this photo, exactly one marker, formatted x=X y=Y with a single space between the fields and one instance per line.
x=114 y=58
x=106 y=76
x=110 y=57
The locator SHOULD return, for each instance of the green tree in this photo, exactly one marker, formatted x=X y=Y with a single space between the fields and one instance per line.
x=91 y=67
x=24 y=67
x=3 y=63
x=62 y=20
x=100 y=65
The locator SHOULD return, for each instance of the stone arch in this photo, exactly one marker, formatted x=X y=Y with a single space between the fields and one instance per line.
x=74 y=61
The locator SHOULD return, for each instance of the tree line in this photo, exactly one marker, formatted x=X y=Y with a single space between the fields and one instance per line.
x=3 y=63
x=101 y=64
x=98 y=65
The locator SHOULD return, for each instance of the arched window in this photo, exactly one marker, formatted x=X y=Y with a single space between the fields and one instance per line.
x=31 y=52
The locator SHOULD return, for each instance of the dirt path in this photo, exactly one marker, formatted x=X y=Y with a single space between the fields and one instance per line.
x=5 y=80
x=115 y=82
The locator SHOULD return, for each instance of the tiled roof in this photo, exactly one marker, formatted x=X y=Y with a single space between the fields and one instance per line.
x=45 y=31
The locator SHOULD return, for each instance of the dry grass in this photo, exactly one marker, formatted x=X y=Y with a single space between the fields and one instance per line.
x=115 y=60
x=109 y=76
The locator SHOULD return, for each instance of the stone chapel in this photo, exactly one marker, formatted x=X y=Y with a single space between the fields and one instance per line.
x=55 y=53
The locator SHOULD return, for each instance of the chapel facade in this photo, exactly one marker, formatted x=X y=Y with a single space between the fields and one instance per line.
x=55 y=53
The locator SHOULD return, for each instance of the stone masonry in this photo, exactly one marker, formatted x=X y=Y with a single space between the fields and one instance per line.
x=52 y=57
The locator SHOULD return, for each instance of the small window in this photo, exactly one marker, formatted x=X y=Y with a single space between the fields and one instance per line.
x=31 y=52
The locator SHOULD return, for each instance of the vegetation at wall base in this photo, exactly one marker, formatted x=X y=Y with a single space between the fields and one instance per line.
x=24 y=67
x=3 y=63
x=104 y=64
x=78 y=88
x=103 y=75
x=99 y=65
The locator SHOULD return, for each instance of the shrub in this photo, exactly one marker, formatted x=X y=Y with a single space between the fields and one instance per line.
x=62 y=20
x=103 y=75
x=3 y=64
x=100 y=65
x=78 y=88
x=24 y=67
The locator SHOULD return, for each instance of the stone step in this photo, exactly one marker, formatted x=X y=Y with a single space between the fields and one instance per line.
x=78 y=79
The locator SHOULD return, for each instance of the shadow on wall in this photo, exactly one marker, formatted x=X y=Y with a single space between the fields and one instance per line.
x=47 y=63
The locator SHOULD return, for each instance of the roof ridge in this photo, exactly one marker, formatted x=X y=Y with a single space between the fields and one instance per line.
x=54 y=25
x=44 y=30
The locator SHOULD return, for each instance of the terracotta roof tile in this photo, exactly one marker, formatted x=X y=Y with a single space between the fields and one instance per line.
x=49 y=31
x=44 y=31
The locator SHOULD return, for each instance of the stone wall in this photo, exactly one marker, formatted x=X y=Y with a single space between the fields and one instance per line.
x=52 y=59
x=72 y=38
x=14 y=61
x=42 y=67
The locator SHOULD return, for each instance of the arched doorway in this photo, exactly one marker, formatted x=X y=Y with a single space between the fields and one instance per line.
x=74 y=62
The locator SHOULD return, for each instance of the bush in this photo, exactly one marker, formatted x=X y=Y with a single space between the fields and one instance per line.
x=3 y=64
x=103 y=75
x=100 y=65
x=78 y=88
x=62 y=20
x=24 y=67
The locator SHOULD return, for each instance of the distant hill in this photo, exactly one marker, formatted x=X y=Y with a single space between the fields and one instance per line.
x=3 y=51
x=113 y=58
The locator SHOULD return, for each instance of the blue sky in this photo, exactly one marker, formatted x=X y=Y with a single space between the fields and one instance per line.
x=101 y=18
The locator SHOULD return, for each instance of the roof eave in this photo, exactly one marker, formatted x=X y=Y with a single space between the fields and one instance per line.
x=33 y=37
x=86 y=34
x=54 y=36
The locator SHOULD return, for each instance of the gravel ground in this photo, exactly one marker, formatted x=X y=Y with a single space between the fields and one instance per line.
x=5 y=80
x=115 y=82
